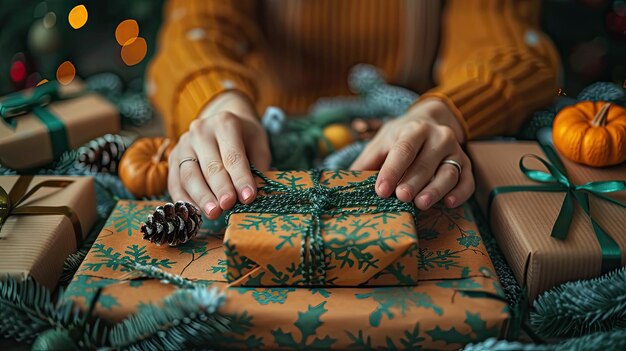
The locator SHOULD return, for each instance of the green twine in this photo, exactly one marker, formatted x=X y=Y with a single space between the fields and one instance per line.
x=317 y=201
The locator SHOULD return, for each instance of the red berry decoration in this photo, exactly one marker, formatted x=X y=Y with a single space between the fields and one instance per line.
x=173 y=224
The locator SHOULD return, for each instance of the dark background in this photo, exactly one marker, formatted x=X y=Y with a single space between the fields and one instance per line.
x=589 y=34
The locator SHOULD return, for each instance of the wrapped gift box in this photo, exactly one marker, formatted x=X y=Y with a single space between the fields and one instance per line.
x=36 y=245
x=522 y=221
x=37 y=125
x=264 y=249
x=458 y=299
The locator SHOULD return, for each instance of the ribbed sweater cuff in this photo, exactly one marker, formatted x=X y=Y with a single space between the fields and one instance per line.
x=474 y=104
x=202 y=87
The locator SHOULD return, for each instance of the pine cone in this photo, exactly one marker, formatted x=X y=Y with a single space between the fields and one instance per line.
x=173 y=224
x=102 y=154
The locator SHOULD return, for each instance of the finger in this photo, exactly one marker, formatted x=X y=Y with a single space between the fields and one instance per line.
x=259 y=153
x=399 y=160
x=446 y=178
x=464 y=189
x=233 y=152
x=371 y=158
x=216 y=176
x=424 y=167
x=177 y=193
x=194 y=184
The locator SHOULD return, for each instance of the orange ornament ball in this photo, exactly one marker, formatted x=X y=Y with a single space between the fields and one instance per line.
x=338 y=135
x=143 y=168
x=591 y=133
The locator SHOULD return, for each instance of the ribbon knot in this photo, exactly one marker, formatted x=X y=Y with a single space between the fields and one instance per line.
x=11 y=203
x=320 y=198
x=317 y=201
x=18 y=104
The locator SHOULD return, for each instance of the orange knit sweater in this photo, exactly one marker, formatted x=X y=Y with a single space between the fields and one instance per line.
x=486 y=59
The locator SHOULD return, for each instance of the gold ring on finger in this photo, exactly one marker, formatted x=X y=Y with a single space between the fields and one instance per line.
x=456 y=164
x=193 y=159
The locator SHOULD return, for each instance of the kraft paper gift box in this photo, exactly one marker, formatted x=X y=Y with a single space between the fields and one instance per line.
x=522 y=221
x=44 y=228
x=458 y=299
x=268 y=249
x=38 y=125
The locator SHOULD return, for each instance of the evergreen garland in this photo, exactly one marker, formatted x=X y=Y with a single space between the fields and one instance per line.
x=188 y=317
x=154 y=272
x=582 y=307
x=28 y=309
x=614 y=340
x=603 y=91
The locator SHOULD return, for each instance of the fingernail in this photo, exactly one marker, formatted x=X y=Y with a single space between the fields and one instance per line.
x=246 y=193
x=451 y=201
x=224 y=200
x=425 y=200
x=209 y=208
x=383 y=188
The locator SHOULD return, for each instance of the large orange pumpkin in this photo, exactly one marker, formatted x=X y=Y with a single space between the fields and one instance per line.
x=143 y=168
x=591 y=133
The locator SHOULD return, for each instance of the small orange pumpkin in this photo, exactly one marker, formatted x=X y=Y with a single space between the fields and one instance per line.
x=591 y=133
x=143 y=168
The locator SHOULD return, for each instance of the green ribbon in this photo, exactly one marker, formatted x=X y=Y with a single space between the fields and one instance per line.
x=556 y=180
x=18 y=104
x=317 y=201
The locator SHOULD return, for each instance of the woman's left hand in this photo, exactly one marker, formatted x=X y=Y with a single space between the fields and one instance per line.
x=409 y=152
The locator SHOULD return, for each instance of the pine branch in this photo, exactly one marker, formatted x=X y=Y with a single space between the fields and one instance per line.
x=606 y=341
x=187 y=317
x=154 y=272
x=582 y=307
x=28 y=309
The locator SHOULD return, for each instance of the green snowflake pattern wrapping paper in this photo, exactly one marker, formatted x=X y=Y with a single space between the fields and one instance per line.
x=373 y=249
x=458 y=299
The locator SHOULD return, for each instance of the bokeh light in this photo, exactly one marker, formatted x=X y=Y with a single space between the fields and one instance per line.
x=134 y=52
x=66 y=73
x=18 y=71
x=43 y=81
x=126 y=32
x=78 y=16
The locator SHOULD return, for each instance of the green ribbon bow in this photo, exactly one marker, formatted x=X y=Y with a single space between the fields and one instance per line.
x=18 y=104
x=317 y=201
x=556 y=180
x=11 y=203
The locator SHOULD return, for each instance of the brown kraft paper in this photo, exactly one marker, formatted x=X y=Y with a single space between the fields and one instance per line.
x=37 y=245
x=522 y=221
x=85 y=117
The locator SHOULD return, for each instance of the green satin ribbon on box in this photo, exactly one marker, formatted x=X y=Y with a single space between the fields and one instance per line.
x=18 y=104
x=557 y=181
x=11 y=203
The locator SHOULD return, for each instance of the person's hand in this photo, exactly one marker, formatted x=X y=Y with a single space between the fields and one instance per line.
x=409 y=152
x=210 y=164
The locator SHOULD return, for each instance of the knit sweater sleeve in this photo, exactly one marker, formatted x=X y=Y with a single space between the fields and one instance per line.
x=494 y=66
x=202 y=51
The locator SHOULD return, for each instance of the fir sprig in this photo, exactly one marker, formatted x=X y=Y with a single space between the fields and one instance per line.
x=606 y=341
x=154 y=272
x=188 y=317
x=28 y=309
x=582 y=307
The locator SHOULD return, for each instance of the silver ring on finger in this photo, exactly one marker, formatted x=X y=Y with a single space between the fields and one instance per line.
x=456 y=164
x=193 y=159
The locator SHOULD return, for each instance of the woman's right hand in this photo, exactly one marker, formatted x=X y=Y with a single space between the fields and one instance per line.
x=224 y=139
